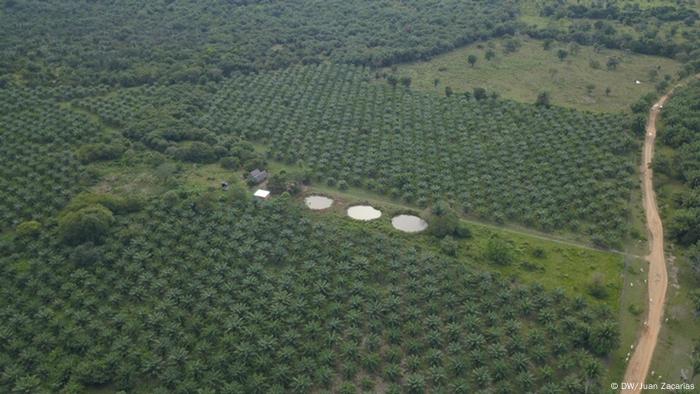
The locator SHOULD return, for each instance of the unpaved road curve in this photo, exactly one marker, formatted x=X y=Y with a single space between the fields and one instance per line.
x=638 y=367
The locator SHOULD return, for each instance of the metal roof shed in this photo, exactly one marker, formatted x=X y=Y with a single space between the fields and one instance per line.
x=262 y=194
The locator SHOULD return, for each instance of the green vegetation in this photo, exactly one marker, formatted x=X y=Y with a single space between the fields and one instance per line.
x=474 y=156
x=132 y=43
x=133 y=257
x=567 y=81
x=536 y=258
x=664 y=28
x=86 y=224
x=676 y=172
x=148 y=305
x=29 y=228
x=681 y=133
x=39 y=171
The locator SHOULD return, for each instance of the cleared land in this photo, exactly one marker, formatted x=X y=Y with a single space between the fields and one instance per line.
x=522 y=74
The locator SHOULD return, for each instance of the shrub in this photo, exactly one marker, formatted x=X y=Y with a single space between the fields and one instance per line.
x=543 y=99
x=116 y=204
x=539 y=252
x=197 y=152
x=100 y=152
x=511 y=45
x=87 y=224
x=597 y=287
x=695 y=295
x=230 y=163
x=448 y=246
x=444 y=224
x=499 y=251
x=479 y=93
x=643 y=104
x=635 y=309
x=29 y=228
x=694 y=258
x=463 y=231
x=638 y=124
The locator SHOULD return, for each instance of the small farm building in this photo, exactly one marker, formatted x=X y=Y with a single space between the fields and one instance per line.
x=262 y=194
x=257 y=176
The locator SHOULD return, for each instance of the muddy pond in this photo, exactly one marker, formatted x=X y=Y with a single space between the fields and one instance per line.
x=318 y=202
x=409 y=223
x=364 y=212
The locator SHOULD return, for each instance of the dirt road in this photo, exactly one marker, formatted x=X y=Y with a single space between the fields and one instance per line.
x=638 y=367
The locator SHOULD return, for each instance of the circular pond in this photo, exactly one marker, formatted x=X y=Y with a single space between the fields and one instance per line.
x=318 y=202
x=364 y=212
x=409 y=223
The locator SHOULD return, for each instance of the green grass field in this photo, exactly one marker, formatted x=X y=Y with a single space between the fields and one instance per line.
x=632 y=312
x=523 y=74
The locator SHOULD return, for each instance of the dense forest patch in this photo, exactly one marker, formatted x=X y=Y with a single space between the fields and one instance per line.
x=581 y=77
x=131 y=42
x=240 y=296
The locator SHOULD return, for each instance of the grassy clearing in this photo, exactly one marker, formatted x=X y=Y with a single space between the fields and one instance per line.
x=637 y=240
x=632 y=311
x=522 y=74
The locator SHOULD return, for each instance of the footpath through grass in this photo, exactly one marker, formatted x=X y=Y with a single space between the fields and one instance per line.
x=522 y=74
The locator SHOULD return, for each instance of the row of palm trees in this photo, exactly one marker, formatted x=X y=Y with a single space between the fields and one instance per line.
x=257 y=297
x=38 y=169
x=484 y=156
x=549 y=168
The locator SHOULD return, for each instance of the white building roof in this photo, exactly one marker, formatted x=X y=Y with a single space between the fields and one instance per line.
x=260 y=193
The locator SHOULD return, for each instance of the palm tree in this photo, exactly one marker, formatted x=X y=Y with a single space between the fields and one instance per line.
x=415 y=384
x=301 y=384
